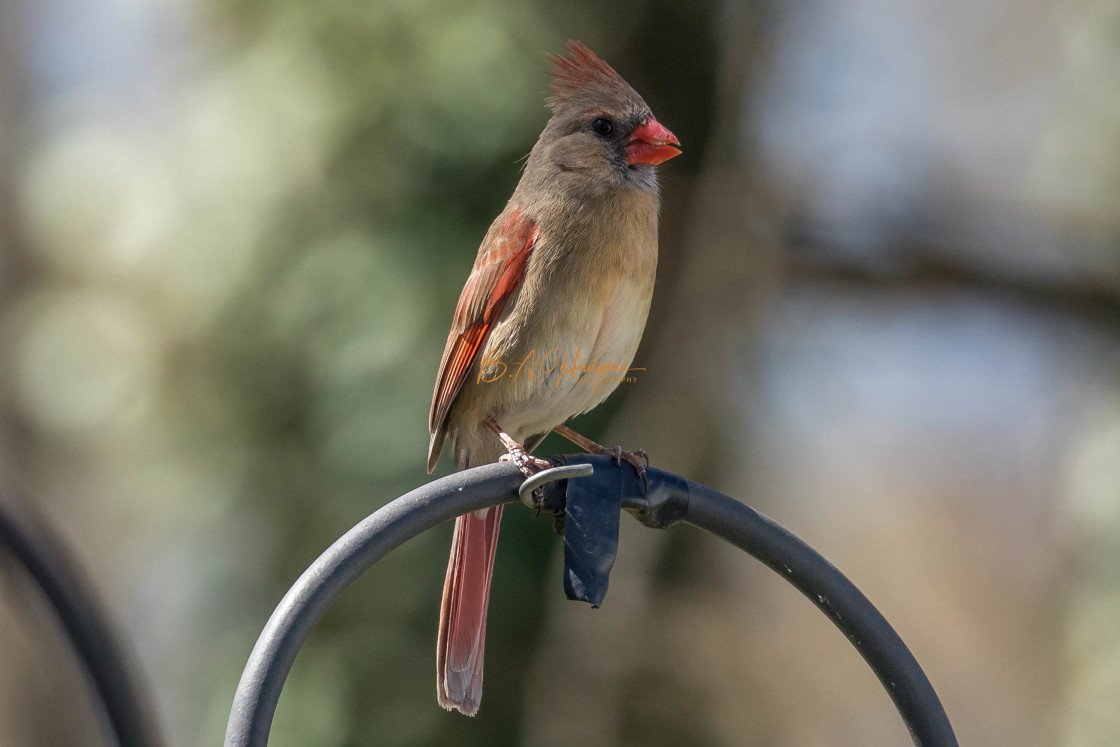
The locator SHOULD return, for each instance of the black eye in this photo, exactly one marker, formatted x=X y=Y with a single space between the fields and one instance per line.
x=602 y=126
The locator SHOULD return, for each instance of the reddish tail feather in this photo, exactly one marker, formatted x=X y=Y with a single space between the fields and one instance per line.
x=462 y=619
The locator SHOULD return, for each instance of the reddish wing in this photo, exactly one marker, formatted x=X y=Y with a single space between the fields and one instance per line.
x=497 y=273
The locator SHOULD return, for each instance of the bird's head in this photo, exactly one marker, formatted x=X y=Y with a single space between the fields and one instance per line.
x=601 y=129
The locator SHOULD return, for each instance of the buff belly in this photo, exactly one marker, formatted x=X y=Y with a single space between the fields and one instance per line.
x=569 y=368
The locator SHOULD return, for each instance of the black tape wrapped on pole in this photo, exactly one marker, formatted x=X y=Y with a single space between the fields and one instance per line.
x=669 y=499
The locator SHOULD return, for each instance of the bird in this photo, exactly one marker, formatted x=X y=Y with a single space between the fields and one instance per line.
x=548 y=320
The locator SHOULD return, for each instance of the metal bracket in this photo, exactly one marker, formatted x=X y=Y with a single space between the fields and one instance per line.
x=552 y=474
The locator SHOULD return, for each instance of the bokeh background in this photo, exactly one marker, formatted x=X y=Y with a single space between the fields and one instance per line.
x=232 y=233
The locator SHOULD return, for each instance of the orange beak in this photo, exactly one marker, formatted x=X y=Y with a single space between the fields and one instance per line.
x=652 y=143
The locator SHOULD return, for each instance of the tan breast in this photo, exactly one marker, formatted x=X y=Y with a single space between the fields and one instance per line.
x=587 y=299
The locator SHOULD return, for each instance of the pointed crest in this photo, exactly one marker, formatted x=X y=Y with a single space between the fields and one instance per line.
x=580 y=74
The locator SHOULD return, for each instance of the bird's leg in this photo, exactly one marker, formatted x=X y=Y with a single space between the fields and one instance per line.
x=528 y=464
x=634 y=458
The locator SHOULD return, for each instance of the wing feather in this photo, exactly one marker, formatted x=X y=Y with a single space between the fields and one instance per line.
x=497 y=274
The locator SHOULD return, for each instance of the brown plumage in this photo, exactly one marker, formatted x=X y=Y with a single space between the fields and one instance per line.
x=563 y=278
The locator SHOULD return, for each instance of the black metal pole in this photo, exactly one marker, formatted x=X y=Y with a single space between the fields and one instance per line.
x=670 y=498
x=38 y=548
x=272 y=657
x=838 y=599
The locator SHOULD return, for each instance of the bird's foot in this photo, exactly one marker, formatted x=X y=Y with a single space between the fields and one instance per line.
x=526 y=462
x=638 y=459
x=516 y=453
x=529 y=466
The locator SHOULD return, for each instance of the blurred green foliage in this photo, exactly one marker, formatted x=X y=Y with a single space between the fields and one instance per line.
x=886 y=311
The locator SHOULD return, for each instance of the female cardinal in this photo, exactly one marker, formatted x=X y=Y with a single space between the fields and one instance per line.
x=561 y=285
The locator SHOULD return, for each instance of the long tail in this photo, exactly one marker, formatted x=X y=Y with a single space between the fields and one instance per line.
x=462 y=617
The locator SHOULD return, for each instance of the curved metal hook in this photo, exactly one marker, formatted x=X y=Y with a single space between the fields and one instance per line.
x=552 y=474
x=670 y=498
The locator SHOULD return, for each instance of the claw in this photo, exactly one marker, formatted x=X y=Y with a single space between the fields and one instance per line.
x=633 y=458
x=528 y=464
